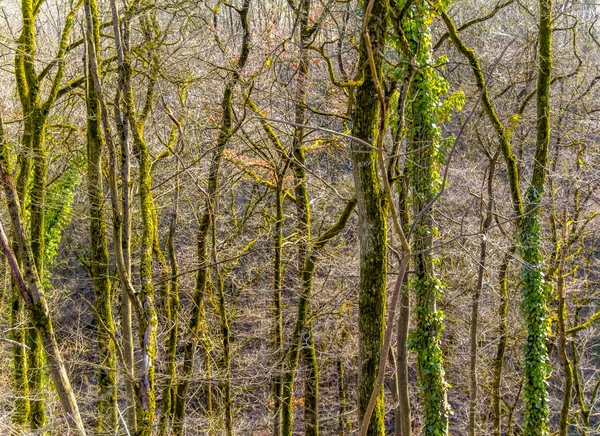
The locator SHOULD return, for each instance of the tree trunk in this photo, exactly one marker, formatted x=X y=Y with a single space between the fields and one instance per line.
x=172 y=315
x=298 y=166
x=124 y=227
x=403 y=413
x=502 y=340
x=563 y=425
x=342 y=418
x=107 y=387
x=20 y=414
x=37 y=211
x=485 y=225
x=277 y=307
x=534 y=289
x=372 y=229
x=311 y=384
x=403 y=418
x=226 y=338
x=422 y=170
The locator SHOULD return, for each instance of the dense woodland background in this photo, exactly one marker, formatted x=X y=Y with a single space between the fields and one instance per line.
x=204 y=204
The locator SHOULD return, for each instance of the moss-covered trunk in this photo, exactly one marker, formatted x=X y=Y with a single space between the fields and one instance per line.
x=372 y=229
x=37 y=211
x=122 y=222
x=225 y=337
x=534 y=288
x=18 y=317
x=148 y=322
x=277 y=315
x=311 y=385
x=172 y=315
x=19 y=378
x=30 y=102
x=107 y=387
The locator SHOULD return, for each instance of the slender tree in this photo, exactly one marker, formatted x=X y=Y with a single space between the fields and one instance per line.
x=107 y=387
x=172 y=308
x=122 y=216
x=277 y=315
x=486 y=222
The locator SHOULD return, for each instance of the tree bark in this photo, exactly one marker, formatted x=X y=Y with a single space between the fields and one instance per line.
x=107 y=380
x=372 y=229
x=502 y=340
x=123 y=223
x=422 y=165
x=485 y=225
x=563 y=425
x=277 y=305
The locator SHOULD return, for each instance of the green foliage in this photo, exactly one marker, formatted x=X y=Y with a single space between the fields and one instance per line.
x=59 y=203
x=535 y=291
x=425 y=341
x=427 y=110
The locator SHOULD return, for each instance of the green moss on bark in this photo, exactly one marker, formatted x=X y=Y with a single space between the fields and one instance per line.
x=372 y=229
x=19 y=378
x=107 y=380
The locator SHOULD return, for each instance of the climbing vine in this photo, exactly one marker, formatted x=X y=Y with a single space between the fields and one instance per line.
x=59 y=201
x=535 y=291
x=426 y=111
